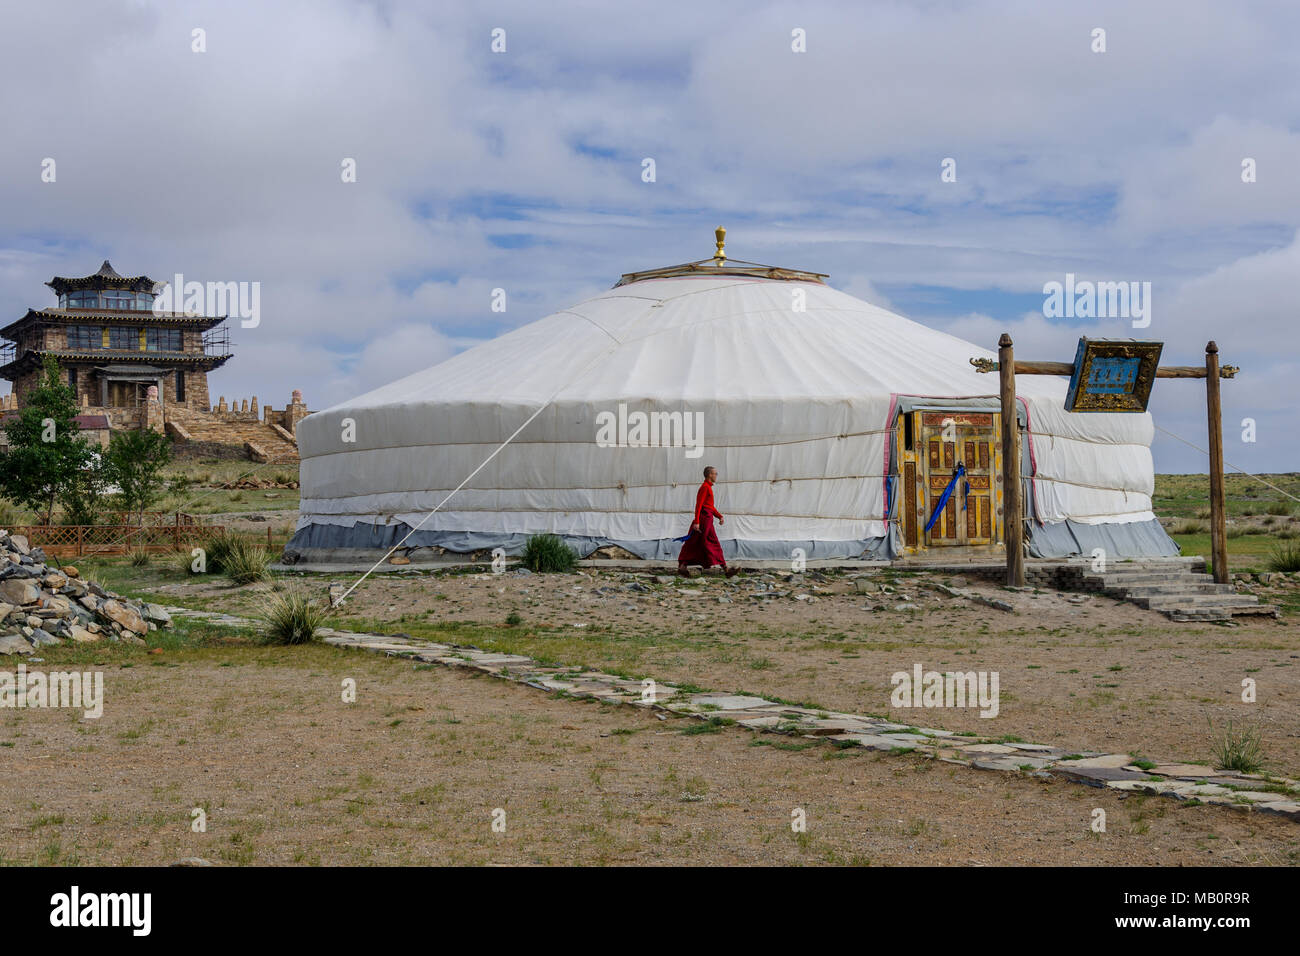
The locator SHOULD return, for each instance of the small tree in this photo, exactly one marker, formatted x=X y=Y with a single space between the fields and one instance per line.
x=46 y=456
x=134 y=462
x=82 y=496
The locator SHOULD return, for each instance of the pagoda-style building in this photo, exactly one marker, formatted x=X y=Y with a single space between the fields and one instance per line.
x=111 y=345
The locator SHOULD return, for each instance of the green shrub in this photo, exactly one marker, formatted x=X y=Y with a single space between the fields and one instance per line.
x=291 y=618
x=1279 y=508
x=547 y=552
x=1285 y=557
x=1188 y=526
x=138 y=557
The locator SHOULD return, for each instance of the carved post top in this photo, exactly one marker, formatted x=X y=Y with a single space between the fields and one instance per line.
x=1211 y=348
x=1005 y=341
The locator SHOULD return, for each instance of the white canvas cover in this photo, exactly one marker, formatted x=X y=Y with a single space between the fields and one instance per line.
x=796 y=409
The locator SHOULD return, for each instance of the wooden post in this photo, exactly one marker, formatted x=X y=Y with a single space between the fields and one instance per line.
x=1218 y=509
x=1012 y=519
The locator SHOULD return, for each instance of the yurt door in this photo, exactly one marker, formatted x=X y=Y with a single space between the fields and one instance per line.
x=958 y=468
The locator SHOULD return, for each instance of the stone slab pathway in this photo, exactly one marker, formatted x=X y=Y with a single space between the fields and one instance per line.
x=1191 y=782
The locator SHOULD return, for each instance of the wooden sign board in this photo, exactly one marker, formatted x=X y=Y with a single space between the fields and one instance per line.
x=1113 y=375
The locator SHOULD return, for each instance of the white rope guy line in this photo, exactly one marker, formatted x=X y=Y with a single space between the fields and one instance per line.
x=468 y=478
x=1229 y=464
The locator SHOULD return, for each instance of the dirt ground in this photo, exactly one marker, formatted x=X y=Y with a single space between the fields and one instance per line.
x=412 y=771
x=1099 y=675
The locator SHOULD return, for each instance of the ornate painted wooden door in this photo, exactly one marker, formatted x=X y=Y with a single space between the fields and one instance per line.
x=948 y=439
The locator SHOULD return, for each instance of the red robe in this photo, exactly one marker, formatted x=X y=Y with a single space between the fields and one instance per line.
x=703 y=547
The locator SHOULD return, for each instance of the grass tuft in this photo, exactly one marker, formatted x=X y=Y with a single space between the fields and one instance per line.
x=237 y=556
x=1237 y=748
x=1285 y=557
x=291 y=618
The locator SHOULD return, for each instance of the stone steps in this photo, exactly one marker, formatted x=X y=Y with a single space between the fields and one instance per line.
x=265 y=437
x=1178 y=589
x=1161 y=601
x=1211 y=613
x=1129 y=583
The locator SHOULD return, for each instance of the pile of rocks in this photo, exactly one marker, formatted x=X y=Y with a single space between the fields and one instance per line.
x=42 y=605
x=257 y=484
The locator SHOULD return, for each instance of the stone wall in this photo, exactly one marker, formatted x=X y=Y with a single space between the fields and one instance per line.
x=248 y=411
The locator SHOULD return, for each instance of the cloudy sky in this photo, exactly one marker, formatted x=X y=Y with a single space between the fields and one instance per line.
x=522 y=170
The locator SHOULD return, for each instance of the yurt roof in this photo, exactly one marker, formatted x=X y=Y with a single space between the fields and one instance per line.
x=716 y=329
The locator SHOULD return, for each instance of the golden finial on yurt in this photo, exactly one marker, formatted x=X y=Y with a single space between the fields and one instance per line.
x=720 y=234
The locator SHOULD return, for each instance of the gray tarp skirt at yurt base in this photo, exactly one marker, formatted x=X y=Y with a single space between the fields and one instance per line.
x=326 y=542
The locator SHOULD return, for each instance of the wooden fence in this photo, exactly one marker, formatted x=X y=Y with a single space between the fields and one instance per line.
x=79 y=540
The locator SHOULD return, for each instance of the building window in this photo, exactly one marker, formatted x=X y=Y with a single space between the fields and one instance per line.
x=107 y=299
x=72 y=379
x=113 y=299
x=85 y=337
x=164 y=340
x=124 y=339
x=180 y=386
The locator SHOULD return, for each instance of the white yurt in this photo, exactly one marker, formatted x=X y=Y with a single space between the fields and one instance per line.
x=836 y=427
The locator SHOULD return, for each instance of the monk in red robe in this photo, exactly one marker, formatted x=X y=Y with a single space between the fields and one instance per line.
x=702 y=546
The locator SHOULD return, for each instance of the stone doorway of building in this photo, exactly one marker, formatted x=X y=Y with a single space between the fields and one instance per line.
x=933 y=442
x=127 y=394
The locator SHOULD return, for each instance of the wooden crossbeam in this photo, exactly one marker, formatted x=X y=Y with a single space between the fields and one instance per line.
x=1024 y=367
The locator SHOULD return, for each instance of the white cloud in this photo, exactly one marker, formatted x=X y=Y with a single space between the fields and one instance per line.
x=225 y=165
